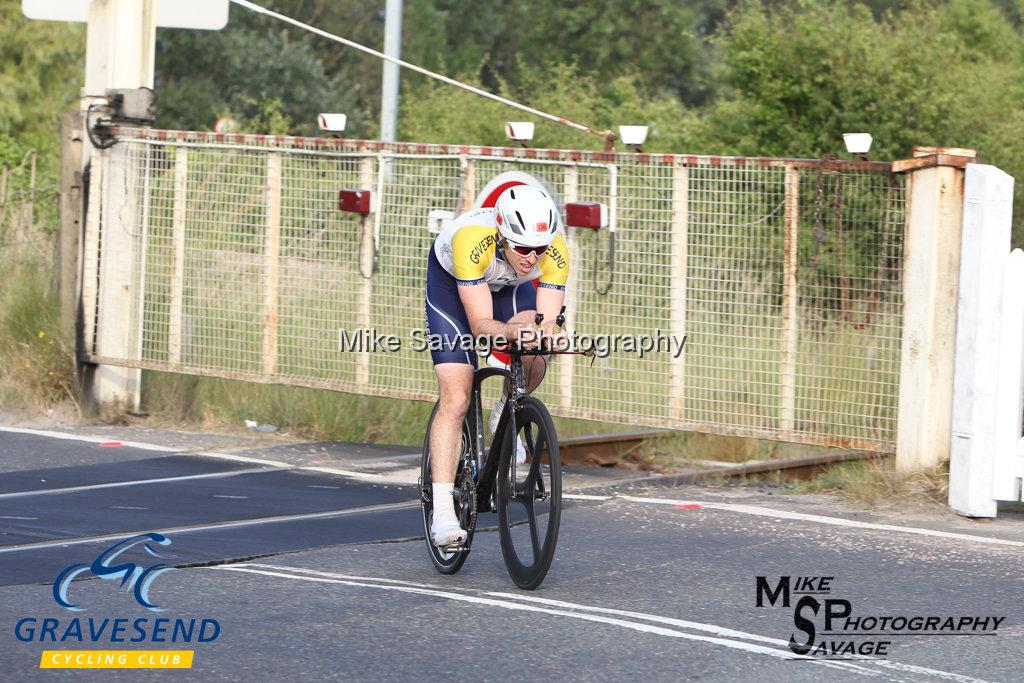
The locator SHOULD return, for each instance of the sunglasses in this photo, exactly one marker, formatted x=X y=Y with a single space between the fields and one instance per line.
x=526 y=251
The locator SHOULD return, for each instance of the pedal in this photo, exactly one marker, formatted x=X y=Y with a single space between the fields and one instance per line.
x=458 y=546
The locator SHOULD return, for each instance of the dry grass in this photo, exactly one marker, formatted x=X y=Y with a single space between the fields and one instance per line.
x=876 y=483
x=308 y=413
x=35 y=359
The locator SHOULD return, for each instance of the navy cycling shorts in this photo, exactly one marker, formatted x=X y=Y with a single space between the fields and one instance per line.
x=446 y=318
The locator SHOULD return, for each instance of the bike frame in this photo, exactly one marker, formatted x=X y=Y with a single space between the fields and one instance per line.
x=488 y=464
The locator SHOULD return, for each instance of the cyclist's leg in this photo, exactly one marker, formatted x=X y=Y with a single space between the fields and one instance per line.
x=454 y=381
x=448 y=331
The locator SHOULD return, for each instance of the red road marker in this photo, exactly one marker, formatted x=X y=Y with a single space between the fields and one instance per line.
x=688 y=506
x=111 y=444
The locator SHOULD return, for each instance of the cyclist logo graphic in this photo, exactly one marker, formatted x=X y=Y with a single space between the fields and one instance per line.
x=133 y=577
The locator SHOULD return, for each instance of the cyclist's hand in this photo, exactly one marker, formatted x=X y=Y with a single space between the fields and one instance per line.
x=527 y=336
x=559 y=341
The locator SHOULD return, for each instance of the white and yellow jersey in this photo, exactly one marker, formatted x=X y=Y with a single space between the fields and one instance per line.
x=468 y=250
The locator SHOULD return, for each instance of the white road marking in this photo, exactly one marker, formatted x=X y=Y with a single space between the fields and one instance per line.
x=126 y=507
x=820 y=519
x=88 y=439
x=318 y=486
x=153 y=447
x=243 y=458
x=583 y=496
x=220 y=495
x=335 y=575
x=710 y=628
x=698 y=626
x=345 y=473
x=204 y=527
x=719 y=630
x=505 y=604
x=134 y=482
x=138 y=444
x=14 y=517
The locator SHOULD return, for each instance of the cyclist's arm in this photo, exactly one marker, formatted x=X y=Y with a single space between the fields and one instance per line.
x=476 y=299
x=554 y=268
x=549 y=302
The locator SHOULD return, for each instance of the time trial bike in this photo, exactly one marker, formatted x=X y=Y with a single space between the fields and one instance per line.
x=527 y=497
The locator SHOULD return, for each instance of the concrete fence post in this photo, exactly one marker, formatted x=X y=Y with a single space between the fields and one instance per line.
x=120 y=43
x=931 y=270
x=120 y=237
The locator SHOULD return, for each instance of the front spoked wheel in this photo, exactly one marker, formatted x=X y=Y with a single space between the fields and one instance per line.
x=450 y=560
x=529 y=495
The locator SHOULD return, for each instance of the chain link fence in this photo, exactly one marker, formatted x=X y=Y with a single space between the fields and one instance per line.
x=783 y=275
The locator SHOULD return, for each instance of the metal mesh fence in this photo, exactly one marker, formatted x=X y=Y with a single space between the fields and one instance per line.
x=29 y=207
x=782 y=274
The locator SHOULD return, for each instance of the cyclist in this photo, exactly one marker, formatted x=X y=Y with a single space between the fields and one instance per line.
x=488 y=273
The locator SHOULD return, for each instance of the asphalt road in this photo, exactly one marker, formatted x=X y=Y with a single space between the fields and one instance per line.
x=314 y=568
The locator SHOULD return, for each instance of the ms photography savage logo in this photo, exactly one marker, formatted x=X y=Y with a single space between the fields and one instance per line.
x=135 y=578
x=845 y=634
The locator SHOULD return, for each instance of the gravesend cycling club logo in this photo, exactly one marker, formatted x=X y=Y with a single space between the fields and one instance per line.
x=830 y=628
x=132 y=576
x=133 y=565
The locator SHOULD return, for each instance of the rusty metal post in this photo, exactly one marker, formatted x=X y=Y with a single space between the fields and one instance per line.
x=468 y=189
x=567 y=364
x=931 y=271
x=790 y=296
x=272 y=256
x=366 y=180
x=176 y=322
x=680 y=236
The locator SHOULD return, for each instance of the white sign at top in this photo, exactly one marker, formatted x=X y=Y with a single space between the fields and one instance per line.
x=211 y=15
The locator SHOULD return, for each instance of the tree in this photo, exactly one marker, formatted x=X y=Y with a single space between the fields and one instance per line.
x=251 y=69
x=655 y=40
x=440 y=113
x=42 y=65
x=798 y=74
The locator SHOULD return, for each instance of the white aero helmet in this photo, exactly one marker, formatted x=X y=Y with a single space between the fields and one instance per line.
x=527 y=216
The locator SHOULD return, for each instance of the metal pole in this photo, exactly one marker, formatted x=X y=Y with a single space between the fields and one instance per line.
x=389 y=87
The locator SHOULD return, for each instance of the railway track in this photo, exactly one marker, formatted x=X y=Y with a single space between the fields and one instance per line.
x=611 y=450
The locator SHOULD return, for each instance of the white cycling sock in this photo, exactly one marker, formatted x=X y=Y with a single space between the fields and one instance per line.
x=445 y=527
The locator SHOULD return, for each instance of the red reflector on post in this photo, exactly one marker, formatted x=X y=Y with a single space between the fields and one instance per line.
x=586 y=215
x=354 y=201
